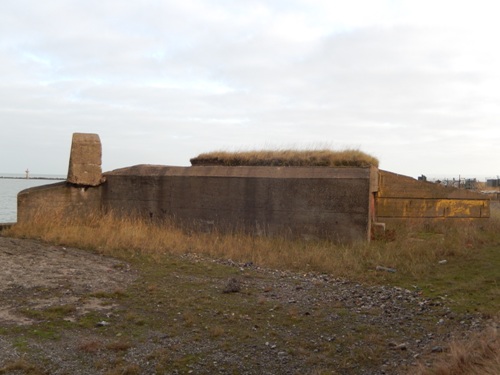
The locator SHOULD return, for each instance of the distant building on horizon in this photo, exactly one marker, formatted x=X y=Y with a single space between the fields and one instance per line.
x=493 y=182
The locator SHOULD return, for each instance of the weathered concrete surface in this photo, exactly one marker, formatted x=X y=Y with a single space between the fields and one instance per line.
x=59 y=200
x=401 y=198
x=340 y=204
x=85 y=160
x=309 y=202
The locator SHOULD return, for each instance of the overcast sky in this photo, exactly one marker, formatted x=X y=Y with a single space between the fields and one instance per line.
x=414 y=83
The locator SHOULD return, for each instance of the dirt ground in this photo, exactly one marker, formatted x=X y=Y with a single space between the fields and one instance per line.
x=277 y=324
x=31 y=268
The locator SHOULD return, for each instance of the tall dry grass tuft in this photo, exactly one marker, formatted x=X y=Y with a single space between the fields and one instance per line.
x=414 y=252
x=295 y=158
x=478 y=356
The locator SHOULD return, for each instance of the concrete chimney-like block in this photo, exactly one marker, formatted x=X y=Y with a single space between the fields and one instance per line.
x=85 y=160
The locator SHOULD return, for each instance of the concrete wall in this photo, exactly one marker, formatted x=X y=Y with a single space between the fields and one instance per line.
x=79 y=196
x=309 y=202
x=312 y=202
x=400 y=199
x=315 y=202
x=58 y=200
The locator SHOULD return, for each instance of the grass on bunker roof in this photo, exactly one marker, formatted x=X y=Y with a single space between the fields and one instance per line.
x=288 y=158
x=178 y=300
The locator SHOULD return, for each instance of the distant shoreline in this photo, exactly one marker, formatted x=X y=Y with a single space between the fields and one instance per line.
x=32 y=178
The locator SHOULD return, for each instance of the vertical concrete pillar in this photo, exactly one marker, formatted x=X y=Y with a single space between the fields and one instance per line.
x=85 y=160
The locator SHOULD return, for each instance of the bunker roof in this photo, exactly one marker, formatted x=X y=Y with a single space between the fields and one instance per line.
x=288 y=158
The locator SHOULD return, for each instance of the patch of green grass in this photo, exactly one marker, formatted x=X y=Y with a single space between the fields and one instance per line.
x=469 y=284
x=90 y=319
x=50 y=313
x=21 y=344
x=47 y=333
x=115 y=294
x=183 y=362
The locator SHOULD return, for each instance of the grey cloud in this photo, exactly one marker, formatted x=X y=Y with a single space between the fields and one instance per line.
x=163 y=81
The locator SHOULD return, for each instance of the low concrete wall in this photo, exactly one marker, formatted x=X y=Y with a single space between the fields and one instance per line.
x=58 y=200
x=310 y=202
x=79 y=195
x=401 y=198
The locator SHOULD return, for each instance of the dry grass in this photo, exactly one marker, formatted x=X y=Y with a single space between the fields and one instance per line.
x=91 y=346
x=414 y=251
x=477 y=356
x=20 y=365
x=118 y=346
x=288 y=158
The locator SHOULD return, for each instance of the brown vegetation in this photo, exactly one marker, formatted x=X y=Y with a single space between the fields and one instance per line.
x=112 y=236
x=288 y=158
x=478 y=356
x=20 y=366
x=457 y=263
x=414 y=251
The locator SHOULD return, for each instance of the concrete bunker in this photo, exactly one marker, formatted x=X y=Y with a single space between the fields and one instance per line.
x=338 y=203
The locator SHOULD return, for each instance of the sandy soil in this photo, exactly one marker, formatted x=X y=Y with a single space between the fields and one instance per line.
x=38 y=275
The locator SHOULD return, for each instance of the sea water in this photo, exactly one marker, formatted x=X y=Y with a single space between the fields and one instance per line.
x=11 y=185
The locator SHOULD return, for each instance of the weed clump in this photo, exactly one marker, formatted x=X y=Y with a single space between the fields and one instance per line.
x=477 y=356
